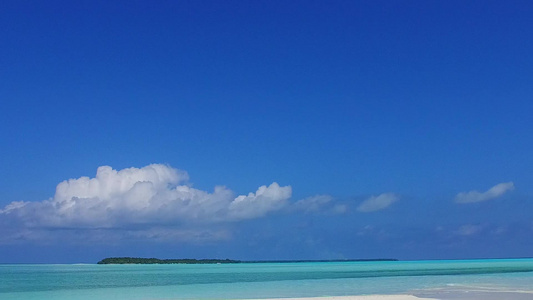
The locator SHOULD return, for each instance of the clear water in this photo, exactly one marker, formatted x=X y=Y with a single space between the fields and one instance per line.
x=258 y=280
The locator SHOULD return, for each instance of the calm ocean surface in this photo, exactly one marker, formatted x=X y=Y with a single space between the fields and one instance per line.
x=258 y=280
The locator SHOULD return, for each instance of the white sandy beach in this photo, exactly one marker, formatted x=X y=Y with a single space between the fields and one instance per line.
x=464 y=295
x=366 y=297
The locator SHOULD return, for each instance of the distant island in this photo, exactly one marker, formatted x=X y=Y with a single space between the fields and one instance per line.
x=138 y=260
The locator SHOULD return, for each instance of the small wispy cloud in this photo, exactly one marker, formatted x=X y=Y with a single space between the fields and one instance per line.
x=492 y=193
x=319 y=204
x=313 y=203
x=376 y=203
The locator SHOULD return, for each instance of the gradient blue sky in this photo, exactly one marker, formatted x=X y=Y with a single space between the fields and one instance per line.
x=399 y=129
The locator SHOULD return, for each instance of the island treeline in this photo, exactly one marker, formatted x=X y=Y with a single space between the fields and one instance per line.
x=139 y=260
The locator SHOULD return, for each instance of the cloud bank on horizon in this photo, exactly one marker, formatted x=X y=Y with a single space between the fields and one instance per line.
x=158 y=202
x=155 y=201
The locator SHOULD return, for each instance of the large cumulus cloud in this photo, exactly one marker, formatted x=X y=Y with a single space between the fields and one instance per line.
x=153 y=195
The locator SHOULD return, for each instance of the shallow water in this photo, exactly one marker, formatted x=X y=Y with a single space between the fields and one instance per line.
x=259 y=280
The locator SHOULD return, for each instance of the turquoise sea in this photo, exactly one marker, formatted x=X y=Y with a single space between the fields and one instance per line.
x=259 y=280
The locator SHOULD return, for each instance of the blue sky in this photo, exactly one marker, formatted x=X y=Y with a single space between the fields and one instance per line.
x=265 y=129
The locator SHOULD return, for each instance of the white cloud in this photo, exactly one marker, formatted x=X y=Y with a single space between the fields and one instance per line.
x=266 y=199
x=154 y=195
x=376 y=203
x=494 y=192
